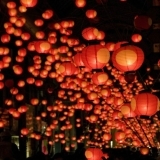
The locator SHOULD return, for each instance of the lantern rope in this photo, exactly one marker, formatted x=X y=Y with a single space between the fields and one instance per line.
x=135 y=132
x=143 y=131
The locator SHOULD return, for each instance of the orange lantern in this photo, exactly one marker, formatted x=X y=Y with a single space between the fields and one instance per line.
x=48 y=14
x=144 y=150
x=28 y=3
x=39 y=22
x=78 y=60
x=145 y=104
x=42 y=46
x=24 y=131
x=127 y=111
x=119 y=135
x=136 y=38
x=95 y=56
x=91 y=13
x=107 y=136
x=93 y=154
x=90 y=33
x=101 y=35
x=142 y=22
x=67 y=68
x=80 y=3
x=99 y=78
x=128 y=58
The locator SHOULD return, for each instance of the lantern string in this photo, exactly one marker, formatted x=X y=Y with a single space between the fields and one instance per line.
x=143 y=131
x=135 y=132
x=142 y=81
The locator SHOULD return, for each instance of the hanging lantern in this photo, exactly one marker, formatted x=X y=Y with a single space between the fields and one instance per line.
x=67 y=68
x=136 y=38
x=48 y=14
x=119 y=135
x=28 y=3
x=145 y=104
x=119 y=45
x=42 y=46
x=127 y=111
x=110 y=46
x=93 y=154
x=95 y=56
x=144 y=150
x=80 y=3
x=128 y=58
x=99 y=78
x=78 y=60
x=142 y=22
x=90 y=33
x=101 y=35
x=91 y=13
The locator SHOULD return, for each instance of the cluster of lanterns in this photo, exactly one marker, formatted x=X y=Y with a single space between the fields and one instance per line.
x=86 y=75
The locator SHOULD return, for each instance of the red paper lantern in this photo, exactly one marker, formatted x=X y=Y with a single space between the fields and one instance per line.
x=127 y=111
x=142 y=22
x=128 y=58
x=119 y=45
x=144 y=150
x=99 y=78
x=42 y=46
x=28 y=3
x=91 y=13
x=80 y=3
x=93 y=154
x=136 y=38
x=90 y=33
x=145 y=104
x=95 y=56
x=107 y=136
x=101 y=35
x=78 y=60
x=67 y=68
x=119 y=135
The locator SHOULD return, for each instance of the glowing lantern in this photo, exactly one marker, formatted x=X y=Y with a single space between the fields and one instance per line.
x=119 y=135
x=67 y=68
x=119 y=45
x=1 y=124
x=11 y=5
x=90 y=33
x=17 y=69
x=80 y=3
x=144 y=150
x=39 y=22
x=136 y=38
x=107 y=136
x=93 y=154
x=48 y=14
x=95 y=56
x=101 y=35
x=128 y=58
x=28 y=3
x=25 y=36
x=78 y=60
x=145 y=104
x=127 y=111
x=91 y=13
x=5 y=38
x=24 y=131
x=142 y=22
x=42 y=46
x=99 y=78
